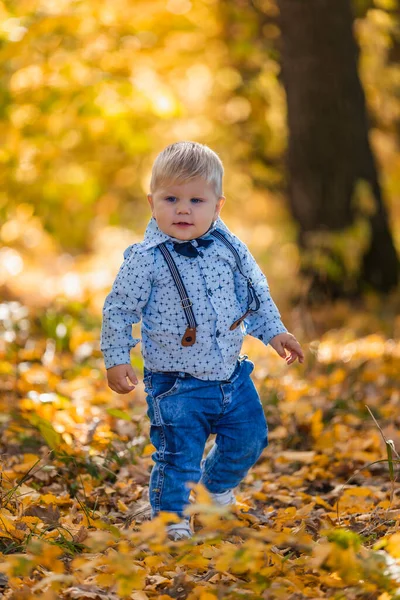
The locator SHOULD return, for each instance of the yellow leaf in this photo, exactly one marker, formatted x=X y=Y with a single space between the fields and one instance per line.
x=79 y=562
x=321 y=502
x=29 y=461
x=148 y=450
x=290 y=511
x=5 y=535
x=240 y=506
x=337 y=376
x=32 y=522
x=358 y=491
x=210 y=551
x=99 y=524
x=202 y=495
x=64 y=499
x=50 y=535
x=7 y=528
x=260 y=496
x=195 y=562
x=19 y=534
x=30 y=458
x=316 y=424
x=320 y=554
x=332 y=581
x=105 y=579
x=225 y=558
x=47 y=555
x=129 y=582
x=122 y=506
x=17 y=565
x=153 y=561
x=393 y=545
x=155 y=529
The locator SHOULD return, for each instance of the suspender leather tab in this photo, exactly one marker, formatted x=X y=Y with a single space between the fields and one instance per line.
x=189 y=337
x=240 y=320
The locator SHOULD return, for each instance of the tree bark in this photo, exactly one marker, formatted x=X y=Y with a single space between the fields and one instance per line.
x=329 y=153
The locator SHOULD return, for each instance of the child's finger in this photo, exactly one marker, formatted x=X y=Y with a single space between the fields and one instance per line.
x=129 y=388
x=132 y=375
x=121 y=386
x=281 y=350
x=291 y=358
x=294 y=346
x=293 y=355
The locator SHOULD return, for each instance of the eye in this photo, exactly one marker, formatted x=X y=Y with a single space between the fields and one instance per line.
x=196 y=200
x=170 y=199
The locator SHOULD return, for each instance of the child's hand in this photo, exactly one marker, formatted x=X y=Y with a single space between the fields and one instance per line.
x=287 y=340
x=117 y=379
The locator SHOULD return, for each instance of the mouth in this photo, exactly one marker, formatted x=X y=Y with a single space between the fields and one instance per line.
x=183 y=224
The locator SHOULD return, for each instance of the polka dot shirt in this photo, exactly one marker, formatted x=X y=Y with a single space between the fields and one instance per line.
x=144 y=290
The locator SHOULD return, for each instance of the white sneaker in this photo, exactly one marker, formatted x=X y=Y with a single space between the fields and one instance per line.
x=179 y=531
x=224 y=498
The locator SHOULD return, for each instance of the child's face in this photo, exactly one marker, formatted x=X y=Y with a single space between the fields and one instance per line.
x=186 y=209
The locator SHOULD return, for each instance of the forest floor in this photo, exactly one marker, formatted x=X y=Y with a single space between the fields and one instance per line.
x=317 y=517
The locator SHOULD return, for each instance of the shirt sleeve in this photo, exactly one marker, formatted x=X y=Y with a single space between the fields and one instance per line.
x=124 y=304
x=265 y=323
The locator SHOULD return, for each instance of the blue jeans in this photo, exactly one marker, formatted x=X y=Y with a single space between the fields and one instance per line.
x=183 y=412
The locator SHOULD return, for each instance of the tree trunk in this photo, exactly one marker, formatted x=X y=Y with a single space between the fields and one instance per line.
x=334 y=192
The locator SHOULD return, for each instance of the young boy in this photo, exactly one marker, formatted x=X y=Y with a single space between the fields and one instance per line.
x=198 y=291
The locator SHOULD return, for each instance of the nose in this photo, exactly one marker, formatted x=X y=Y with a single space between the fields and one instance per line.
x=183 y=208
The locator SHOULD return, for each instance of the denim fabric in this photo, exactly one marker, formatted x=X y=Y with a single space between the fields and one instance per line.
x=183 y=412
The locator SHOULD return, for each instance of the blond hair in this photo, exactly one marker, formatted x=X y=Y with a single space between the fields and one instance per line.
x=186 y=160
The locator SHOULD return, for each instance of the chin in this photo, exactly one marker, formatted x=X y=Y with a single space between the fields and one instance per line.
x=183 y=234
x=186 y=238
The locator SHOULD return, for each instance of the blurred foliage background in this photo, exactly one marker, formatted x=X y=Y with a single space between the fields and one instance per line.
x=92 y=91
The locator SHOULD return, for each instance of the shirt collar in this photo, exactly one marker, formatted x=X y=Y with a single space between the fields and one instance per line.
x=153 y=236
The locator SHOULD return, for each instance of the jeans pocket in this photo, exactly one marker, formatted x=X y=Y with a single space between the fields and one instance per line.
x=164 y=385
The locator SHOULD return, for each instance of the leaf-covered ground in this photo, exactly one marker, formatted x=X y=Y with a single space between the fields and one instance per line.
x=317 y=517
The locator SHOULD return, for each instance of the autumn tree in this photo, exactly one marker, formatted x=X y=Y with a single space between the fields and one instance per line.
x=334 y=190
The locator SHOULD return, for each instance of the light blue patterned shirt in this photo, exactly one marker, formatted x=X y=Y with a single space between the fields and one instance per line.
x=144 y=290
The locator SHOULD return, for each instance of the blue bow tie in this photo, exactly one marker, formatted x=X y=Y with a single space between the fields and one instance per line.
x=187 y=248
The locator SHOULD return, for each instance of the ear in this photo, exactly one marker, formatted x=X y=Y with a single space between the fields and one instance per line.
x=150 y=201
x=219 y=205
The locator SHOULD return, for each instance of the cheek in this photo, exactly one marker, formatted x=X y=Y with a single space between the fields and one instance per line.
x=160 y=211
